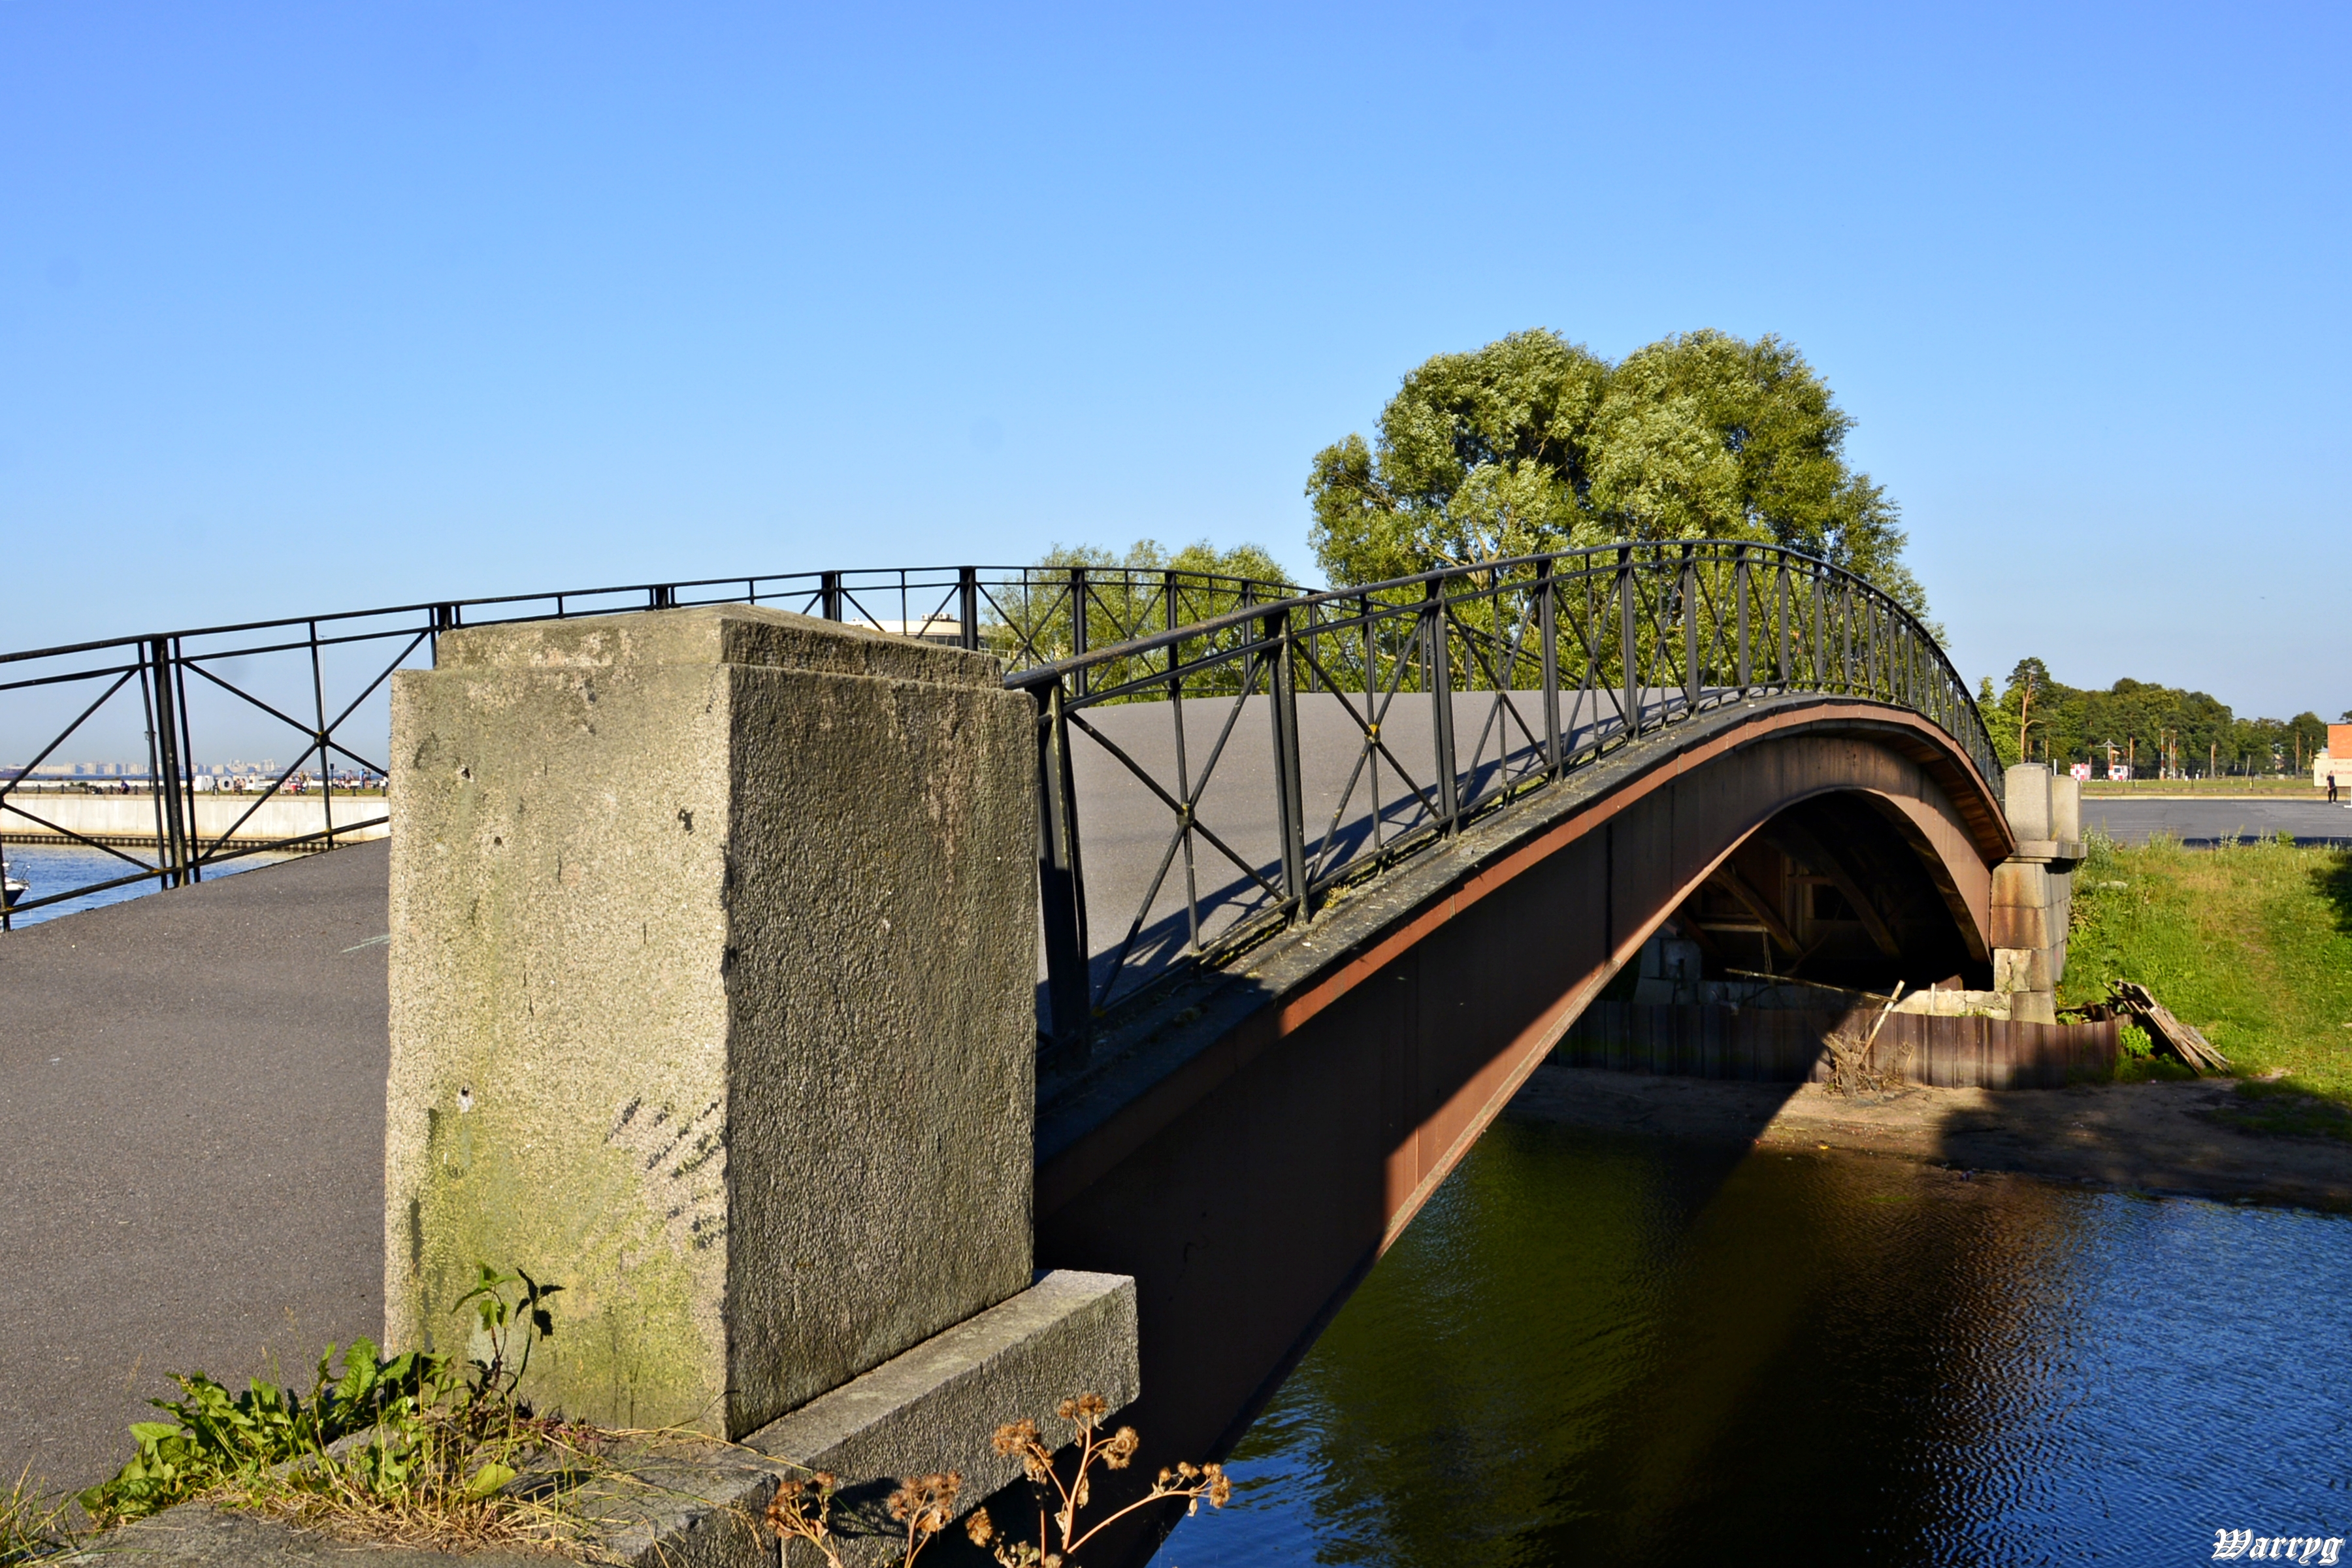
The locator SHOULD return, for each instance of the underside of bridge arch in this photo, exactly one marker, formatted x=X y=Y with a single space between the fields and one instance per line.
x=1247 y=1144
x=1840 y=890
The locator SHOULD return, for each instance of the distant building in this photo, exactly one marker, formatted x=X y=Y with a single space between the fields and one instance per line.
x=2335 y=759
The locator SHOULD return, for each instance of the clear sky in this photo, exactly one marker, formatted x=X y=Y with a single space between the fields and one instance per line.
x=320 y=306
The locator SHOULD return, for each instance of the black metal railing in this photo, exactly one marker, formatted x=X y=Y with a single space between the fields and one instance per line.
x=1393 y=715
x=177 y=701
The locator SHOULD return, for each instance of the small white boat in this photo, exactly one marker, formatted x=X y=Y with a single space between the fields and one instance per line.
x=12 y=886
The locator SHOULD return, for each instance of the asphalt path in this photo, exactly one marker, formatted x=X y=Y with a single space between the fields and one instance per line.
x=2203 y=823
x=191 y=1148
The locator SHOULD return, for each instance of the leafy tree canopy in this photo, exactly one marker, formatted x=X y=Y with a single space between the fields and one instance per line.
x=2039 y=719
x=1149 y=555
x=1534 y=443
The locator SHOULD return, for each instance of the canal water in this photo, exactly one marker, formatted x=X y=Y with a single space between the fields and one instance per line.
x=1591 y=1349
x=49 y=867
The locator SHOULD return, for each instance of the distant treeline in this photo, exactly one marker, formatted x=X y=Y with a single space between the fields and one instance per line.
x=2154 y=728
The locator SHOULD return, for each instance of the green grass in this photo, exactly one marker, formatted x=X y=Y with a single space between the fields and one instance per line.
x=32 y=1526
x=2252 y=944
x=2293 y=787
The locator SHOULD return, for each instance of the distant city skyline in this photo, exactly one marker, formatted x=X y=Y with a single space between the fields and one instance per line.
x=117 y=769
x=312 y=309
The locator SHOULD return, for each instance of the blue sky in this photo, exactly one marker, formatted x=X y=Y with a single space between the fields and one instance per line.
x=323 y=305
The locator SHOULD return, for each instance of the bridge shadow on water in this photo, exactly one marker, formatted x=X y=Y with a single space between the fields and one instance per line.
x=1595 y=1345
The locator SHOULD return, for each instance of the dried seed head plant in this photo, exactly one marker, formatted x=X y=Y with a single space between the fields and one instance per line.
x=1059 y=1501
x=924 y=1505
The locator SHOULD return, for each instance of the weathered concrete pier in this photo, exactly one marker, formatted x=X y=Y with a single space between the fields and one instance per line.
x=753 y=1074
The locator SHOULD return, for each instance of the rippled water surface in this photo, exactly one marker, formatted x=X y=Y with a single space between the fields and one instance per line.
x=52 y=867
x=1590 y=1349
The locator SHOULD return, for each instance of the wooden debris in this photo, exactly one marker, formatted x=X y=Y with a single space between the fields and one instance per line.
x=1854 y=1068
x=2130 y=997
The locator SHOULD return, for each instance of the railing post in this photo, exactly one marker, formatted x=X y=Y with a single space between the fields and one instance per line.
x=1173 y=613
x=163 y=765
x=1629 y=640
x=1845 y=637
x=1061 y=884
x=1739 y=591
x=326 y=758
x=968 y=607
x=1690 y=628
x=1441 y=704
x=1290 y=802
x=1078 y=629
x=829 y=595
x=1785 y=611
x=1257 y=633
x=149 y=680
x=193 y=839
x=1820 y=633
x=1548 y=619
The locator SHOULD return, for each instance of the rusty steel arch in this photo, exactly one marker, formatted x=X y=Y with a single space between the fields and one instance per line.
x=1246 y=1132
x=1215 y=783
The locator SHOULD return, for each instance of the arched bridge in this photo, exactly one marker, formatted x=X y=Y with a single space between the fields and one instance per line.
x=1322 y=878
x=1325 y=879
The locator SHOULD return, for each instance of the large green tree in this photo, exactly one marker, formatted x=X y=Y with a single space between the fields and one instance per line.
x=1534 y=443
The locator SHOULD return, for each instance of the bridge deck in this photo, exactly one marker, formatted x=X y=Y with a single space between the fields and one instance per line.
x=191 y=1147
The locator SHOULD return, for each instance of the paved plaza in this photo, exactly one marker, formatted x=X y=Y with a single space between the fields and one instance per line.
x=191 y=1148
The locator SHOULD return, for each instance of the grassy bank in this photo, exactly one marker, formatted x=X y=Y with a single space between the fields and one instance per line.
x=2252 y=944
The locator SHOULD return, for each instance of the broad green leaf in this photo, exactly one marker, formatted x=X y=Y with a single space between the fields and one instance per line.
x=489 y=1478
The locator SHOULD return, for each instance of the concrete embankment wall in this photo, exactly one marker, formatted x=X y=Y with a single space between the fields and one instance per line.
x=1765 y=1045
x=130 y=818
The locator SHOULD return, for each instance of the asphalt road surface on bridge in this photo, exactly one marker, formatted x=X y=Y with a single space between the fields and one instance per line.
x=191 y=1148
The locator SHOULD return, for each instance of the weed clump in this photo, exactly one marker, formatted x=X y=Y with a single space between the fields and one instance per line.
x=32 y=1526
x=422 y=1450
x=414 y=1448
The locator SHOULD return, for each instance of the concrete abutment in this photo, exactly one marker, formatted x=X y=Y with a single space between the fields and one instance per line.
x=712 y=969
x=2034 y=889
